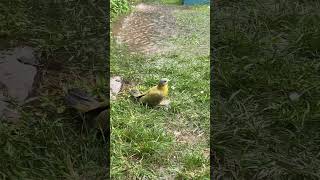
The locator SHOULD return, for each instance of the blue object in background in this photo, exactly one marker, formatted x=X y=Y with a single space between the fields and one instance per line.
x=195 y=2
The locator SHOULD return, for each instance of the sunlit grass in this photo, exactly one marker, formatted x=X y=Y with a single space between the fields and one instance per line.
x=144 y=142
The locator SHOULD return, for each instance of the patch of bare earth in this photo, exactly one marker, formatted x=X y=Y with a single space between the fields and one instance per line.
x=188 y=137
x=147 y=29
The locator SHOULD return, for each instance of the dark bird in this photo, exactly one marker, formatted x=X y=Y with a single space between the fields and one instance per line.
x=95 y=113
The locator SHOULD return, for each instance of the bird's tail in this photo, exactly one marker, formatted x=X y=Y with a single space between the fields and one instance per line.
x=136 y=93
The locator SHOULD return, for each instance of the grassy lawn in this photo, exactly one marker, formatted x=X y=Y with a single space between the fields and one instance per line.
x=70 y=40
x=266 y=90
x=167 y=2
x=169 y=143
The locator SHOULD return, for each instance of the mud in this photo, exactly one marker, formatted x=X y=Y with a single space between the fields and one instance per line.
x=159 y=29
x=146 y=29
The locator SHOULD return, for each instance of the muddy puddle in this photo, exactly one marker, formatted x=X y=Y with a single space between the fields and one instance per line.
x=146 y=29
x=17 y=77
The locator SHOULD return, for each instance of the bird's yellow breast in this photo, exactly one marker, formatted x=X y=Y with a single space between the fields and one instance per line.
x=164 y=90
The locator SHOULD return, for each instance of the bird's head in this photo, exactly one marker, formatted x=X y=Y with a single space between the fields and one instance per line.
x=163 y=82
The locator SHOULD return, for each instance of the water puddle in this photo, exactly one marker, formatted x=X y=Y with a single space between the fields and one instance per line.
x=146 y=29
x=17 y=75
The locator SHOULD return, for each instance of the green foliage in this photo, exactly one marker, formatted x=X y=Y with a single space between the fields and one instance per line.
x=118 y=7
x=170 y=2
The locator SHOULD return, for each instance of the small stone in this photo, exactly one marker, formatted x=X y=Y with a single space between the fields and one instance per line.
x=177 y=133
x=115 y=86
x=16 y=65
x=165 y=103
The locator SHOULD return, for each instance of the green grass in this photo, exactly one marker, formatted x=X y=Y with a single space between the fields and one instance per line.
x=177 y=2
x=263 y=52
x=144 y=144
x=168 y=2
x=48 y=143
x=119 y=7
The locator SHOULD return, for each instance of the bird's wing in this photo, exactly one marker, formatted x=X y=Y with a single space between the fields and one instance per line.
x=152 y=90
x=81 y=100
x=138 y=95
x=141 y=95
x=135 y=93
x=153 y=97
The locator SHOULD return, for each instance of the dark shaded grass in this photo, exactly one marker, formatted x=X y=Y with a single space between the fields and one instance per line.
x=74 y=31
x=50 y=151
x=263 y=52
x=71 y=36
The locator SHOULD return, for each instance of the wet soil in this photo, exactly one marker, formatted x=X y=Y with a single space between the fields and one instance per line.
x=146 y=28
x=159 y=29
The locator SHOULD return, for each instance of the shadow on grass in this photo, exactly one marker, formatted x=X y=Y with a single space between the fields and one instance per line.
x=70 y=38
x=263 y=53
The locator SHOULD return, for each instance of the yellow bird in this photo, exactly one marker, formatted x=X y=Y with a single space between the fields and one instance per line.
x=154 y=95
